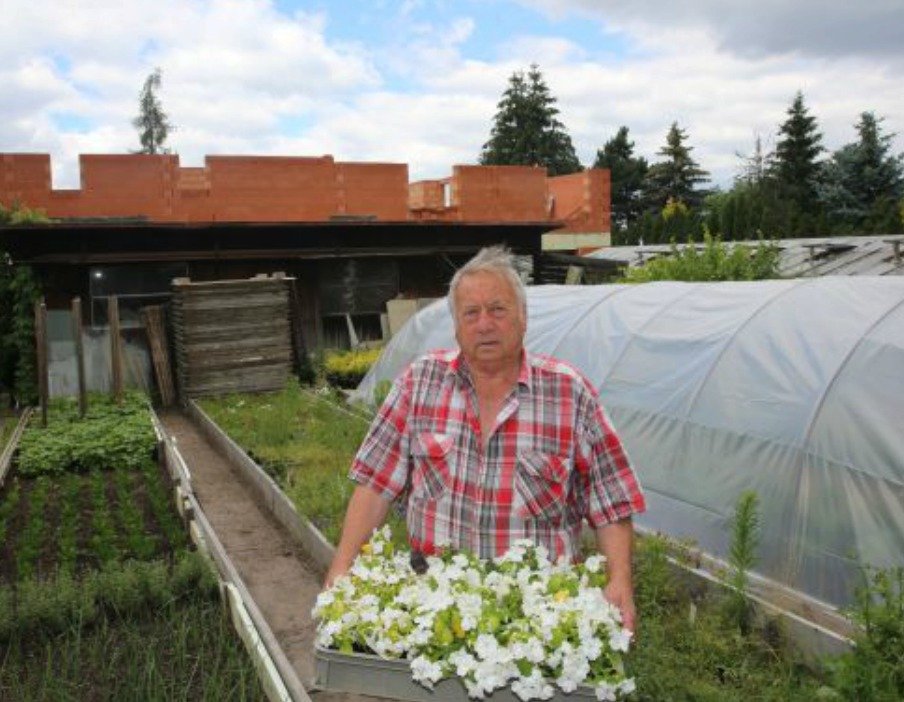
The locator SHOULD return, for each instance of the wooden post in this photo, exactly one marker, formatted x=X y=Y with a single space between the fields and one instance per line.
x=79 y=355
x=115 y=347
x=41 y=348
x=155 y=327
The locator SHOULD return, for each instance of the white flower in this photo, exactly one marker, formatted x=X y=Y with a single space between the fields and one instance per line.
x=425 y=671
x=627 y=686
x=606 y=692
x=532 y=687
x=619 y=639
x=464 y=663
x=594 y=563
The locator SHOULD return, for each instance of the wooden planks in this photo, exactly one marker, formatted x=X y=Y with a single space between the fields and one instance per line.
x=155 y=326
x=232 y=336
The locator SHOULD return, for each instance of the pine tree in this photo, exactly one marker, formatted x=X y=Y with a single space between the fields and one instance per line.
x=526 y=130
x=676 y=177
x=152 y=122
x=796 y=167
x=626 y=175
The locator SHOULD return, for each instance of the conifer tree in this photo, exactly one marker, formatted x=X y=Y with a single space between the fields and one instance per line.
x=676 y=176
x=863 y=182
x=526 y=130
x=152 y=122
x=796 y=167
x=626 y=175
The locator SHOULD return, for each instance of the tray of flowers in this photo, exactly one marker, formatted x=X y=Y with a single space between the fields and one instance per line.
x=452 y=627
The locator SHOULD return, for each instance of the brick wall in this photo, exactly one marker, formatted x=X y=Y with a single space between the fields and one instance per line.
x=582 y=200
x=286 y=189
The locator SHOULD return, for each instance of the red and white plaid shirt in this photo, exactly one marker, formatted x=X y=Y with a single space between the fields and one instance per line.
x=553 y=459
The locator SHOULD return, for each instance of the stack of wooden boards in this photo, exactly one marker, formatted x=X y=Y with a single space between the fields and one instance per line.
x=232 y=335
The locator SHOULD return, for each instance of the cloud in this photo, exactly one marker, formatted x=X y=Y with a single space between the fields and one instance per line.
x=815 y=28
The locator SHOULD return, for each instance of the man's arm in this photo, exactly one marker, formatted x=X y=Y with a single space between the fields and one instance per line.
x=366 y=511
x=615 y=541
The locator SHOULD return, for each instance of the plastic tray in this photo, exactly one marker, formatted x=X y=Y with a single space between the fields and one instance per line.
x=371 y=675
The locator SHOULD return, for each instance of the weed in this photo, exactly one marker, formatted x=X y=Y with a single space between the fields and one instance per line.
x=742 y=557
x=874 y=670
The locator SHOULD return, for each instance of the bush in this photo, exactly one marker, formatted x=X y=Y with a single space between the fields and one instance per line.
x=347 y=368
x=717 y=261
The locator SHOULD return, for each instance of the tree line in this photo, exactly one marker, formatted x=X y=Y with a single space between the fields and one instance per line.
x=799 y=189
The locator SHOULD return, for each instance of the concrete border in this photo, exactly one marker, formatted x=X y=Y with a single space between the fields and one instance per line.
x=278 y=677
x=6 y=456
x=280 y=506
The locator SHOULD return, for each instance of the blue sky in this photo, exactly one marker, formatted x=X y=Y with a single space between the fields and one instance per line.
x=417 y=81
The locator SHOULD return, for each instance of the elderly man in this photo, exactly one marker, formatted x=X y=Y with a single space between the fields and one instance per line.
x=489 y=444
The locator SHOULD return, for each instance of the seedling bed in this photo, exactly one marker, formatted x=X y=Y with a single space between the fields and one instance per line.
x=80 y=521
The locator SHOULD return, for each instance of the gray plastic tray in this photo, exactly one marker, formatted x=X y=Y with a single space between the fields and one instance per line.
x=371 y=675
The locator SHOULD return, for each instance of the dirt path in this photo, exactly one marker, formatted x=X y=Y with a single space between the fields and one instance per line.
x=283 y=581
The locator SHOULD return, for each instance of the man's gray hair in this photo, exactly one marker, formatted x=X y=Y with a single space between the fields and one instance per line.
x=492 y=259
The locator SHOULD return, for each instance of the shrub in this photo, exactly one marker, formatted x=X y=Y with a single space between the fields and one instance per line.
x=716 y=261
x=347 y=368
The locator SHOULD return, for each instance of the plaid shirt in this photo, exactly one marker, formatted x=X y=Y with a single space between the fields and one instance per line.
x=552 y=460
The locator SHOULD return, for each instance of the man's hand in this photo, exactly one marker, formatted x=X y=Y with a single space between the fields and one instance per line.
x=621 y=594
x=615 y=542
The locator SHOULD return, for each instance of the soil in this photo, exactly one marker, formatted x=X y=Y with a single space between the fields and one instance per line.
x=282 y=580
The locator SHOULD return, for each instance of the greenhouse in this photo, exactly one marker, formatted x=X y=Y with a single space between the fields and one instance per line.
x=791 y=388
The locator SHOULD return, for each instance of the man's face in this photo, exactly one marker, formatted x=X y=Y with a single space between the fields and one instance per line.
x=489 y=321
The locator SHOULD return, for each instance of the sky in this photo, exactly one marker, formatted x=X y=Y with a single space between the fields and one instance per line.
x=418 y=81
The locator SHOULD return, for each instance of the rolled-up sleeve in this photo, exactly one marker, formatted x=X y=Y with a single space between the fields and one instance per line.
x=613 y=491
x=382 y=460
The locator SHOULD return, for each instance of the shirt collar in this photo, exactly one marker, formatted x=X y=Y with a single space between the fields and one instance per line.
x=460 y=367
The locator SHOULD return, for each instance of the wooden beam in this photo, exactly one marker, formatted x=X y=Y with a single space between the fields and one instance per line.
x=41 y=348
x=115 y=347
x=79 y=355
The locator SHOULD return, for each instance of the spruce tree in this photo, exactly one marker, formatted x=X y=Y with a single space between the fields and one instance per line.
x=676 y=176
x=152 y=122
x=526 y=129
x=796 y=167
x=626 y=176
x=863 y=182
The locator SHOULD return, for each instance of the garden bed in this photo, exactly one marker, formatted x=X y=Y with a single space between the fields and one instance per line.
x=101 y=593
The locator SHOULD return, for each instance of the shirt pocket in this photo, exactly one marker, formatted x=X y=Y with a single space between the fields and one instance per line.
x=541 y=481
x=432 y=465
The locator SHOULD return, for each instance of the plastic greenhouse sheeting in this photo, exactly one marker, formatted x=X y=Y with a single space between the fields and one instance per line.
x=791 y=388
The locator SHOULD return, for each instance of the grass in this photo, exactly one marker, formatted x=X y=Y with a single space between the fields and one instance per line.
x=687 y=647
x=181 y=649
x=305 y=442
